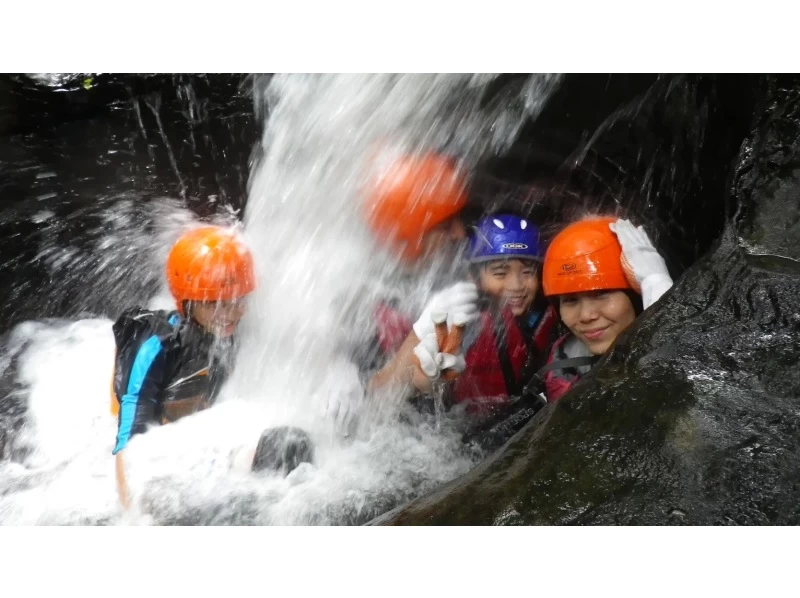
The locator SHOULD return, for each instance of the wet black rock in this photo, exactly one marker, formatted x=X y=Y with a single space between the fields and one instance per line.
x=282 y=449
x=768 y=176
x=86 y=162
x=657 y=148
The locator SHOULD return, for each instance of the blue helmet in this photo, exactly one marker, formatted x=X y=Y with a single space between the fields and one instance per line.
x=504 y=236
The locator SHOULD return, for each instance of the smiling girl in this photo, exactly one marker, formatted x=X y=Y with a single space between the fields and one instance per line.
x=513 y=333
x=601 y=273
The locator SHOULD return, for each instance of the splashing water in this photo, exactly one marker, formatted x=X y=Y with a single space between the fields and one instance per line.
x=319 y=269
x=320 y=276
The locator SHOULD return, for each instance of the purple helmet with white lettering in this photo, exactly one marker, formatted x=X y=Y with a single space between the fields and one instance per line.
x=501 y=236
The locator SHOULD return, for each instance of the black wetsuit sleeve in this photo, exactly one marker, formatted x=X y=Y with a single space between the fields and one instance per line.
x=139 y=405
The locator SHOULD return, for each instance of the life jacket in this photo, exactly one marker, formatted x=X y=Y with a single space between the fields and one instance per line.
x=500 y=360
x=561 y=371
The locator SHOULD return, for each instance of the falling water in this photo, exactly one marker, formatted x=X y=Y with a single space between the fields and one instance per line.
x=320 y=275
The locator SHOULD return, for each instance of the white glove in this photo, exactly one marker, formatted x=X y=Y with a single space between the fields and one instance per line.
x=433 y=362
x=640 y=257
x=459 y=300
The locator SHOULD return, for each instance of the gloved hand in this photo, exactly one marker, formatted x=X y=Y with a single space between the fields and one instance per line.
x=640 y=257
x=340 y=408
x=433 y=362
x=345 y=394
x=461 y=300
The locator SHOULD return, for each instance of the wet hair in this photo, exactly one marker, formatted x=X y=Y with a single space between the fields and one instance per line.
x=636 y=301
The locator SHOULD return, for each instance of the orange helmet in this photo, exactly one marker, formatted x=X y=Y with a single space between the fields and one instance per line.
x=585 y=256
x=413 y=196
x=210 y=263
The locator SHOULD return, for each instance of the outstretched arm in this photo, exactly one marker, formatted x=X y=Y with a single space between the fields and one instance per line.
x=139 y=404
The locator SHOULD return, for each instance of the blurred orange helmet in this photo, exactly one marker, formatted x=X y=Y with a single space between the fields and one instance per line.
x=411 y=197
x=585 y=256
x=210 y=263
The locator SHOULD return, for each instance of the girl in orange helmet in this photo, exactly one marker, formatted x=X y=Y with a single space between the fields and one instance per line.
x=601 y=273
x=170 y=364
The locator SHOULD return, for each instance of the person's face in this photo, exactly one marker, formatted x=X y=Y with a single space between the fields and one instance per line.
x=448 y=233
x=220 y=318
x=596 y=318
x=512 y=282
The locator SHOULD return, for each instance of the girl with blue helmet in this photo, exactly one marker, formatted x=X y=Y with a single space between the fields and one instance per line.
x=507 y=253
x=512 y=336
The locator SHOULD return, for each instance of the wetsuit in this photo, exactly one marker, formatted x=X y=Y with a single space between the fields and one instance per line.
x=166 y=367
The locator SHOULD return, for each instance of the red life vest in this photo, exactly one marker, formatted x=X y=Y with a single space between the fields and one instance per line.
x=483 y=384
